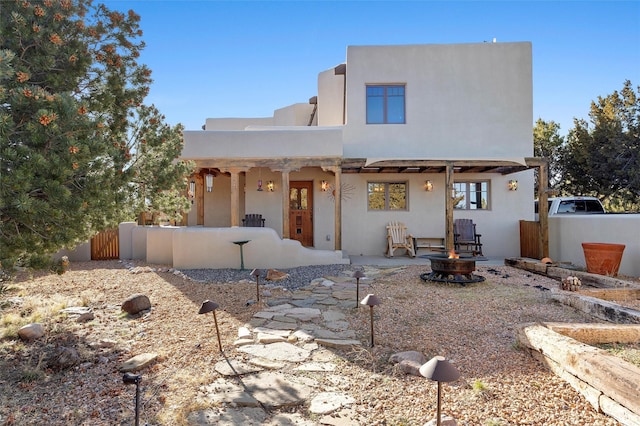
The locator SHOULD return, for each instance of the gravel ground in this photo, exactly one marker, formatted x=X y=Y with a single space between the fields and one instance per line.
x=472 y=326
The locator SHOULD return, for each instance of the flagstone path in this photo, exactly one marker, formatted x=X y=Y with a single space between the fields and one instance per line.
x=290 y=349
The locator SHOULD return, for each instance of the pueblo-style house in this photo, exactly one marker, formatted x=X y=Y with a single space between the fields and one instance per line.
x=419 y=134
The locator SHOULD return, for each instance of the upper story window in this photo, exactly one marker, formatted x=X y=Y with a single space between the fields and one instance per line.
x=387 y=195
x=471 y=195
x=385 y=104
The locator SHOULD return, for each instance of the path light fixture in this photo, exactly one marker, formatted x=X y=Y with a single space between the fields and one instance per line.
x=371 y=300
x=210 y=306
x=439 y=370
x=131 y=379
x=357 y=275
x=256 y=273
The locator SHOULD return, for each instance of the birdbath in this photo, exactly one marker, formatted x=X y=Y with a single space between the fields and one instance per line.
x=241 y=243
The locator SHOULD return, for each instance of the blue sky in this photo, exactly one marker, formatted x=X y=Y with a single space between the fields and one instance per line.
x=246 y=58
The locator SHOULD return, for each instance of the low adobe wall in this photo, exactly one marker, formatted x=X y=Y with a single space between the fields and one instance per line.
x=610 y=384
x=214 y=248
x=568 y=232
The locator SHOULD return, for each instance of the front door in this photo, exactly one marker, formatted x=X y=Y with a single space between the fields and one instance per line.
x=301 y=212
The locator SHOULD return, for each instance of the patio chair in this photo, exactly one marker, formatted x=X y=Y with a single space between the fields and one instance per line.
x=397 y=237
x=253 y=220
x=465 y=238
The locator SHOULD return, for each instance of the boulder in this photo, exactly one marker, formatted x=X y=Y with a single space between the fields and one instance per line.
x=136 y=304
x=275 y=275
x=31 y=331
x=409 y=362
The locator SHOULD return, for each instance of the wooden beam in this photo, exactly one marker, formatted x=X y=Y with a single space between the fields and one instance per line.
x=285 y=204
x=448 y=200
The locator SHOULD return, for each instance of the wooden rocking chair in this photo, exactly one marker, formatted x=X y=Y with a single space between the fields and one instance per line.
x=253 y=220
x=464 y=235
x=397 y=237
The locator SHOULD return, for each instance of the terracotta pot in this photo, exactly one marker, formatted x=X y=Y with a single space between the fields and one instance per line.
x=603 y=258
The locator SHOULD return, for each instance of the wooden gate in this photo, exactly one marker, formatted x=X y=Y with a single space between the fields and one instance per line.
x=105 y=245
x=530 y=243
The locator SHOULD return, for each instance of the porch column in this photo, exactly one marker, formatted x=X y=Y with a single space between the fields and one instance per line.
x=235 y=195
x=337 y=210
x=448 y=203
x=285 y=204
x=543 y=209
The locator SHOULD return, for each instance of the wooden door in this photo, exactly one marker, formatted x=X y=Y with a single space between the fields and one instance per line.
x=301 y=212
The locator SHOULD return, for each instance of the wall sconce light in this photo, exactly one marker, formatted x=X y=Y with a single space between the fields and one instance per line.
x=259 y=184
x=270 y=186
x=209 y=181
x=513 y=185
x=192 y=190
x=324 y=186
x=428 y=186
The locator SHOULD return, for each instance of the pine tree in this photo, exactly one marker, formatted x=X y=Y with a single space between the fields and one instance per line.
x=71 y=99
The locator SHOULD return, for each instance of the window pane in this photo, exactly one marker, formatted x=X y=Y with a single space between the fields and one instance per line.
x=375 y=104
x=459 y=196
x=397 y=196
x=387 y=196
x=395 y=104
x=304 y=201
x=376 y=196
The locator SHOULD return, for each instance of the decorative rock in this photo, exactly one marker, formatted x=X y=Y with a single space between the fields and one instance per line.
x=328 y=402
x=267 y=363
x=242 y=342
x=275 y=275
x=277 y=351
x=233 y=367
x=64 y=357
x=31 y=331
x=269 y=338
x=317 y=366
x=445 y=420
x=338 y=343
x=138 y=362
x=136 y=304
x=244 y=333
x=85 y=317
x=409 y=362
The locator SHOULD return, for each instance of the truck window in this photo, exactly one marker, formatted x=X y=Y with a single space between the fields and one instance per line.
x=567 y=207
x=594 y=206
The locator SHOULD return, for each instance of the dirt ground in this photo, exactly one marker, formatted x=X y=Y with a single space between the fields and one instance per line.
x=472 y=326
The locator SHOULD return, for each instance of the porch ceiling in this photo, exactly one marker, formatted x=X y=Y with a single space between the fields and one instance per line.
x=504 y=167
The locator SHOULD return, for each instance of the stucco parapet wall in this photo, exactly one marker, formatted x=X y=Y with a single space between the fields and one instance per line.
x=214 y=248
x=277 y=142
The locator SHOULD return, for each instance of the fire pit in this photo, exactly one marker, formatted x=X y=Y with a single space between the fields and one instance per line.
x=451 y=268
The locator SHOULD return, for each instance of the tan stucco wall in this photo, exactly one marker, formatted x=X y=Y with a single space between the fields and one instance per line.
x=364 y=232
x=566 y=235
x=214 y=248
x=330 y=98
x=462 y=101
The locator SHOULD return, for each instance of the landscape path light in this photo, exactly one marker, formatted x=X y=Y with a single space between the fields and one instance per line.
x=371 y=300
x=209 y=306
x=130 y=379
x=357 y=275
x=256 y=273
x=440 y=370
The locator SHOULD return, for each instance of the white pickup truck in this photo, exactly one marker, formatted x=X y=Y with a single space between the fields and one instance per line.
x=574 y=205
